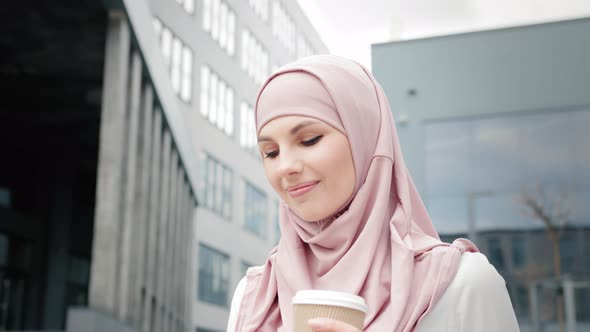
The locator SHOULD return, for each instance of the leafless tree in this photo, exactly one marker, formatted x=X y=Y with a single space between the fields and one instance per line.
x=553 y=209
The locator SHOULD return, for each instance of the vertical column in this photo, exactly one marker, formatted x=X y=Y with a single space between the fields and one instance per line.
x=142 y=204
x=191 y=263
x=163 y=230
x=110 y=163
x=184 y=268
x=570 y=304
x=152 y=243
x=181 y=277
x=534 y=306
x=180 y=217
x=127 y=279
x=187 y=238
x=172 y=234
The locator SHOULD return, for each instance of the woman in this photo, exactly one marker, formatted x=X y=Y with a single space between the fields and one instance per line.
x=351 y=218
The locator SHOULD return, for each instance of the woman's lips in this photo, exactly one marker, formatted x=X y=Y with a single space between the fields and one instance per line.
x=301 y=189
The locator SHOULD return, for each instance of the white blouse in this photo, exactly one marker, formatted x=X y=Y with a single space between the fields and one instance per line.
x=476 y=300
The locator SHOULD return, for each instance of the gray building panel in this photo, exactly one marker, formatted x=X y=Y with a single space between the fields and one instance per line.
x=128 y=286
x=522 y=69
x=488 y=72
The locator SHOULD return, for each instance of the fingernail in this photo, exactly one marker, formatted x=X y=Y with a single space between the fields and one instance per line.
x=316 y=323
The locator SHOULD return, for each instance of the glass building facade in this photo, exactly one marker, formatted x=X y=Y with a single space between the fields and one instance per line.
x=480 y=170
x=494 y=129
x=489 y=162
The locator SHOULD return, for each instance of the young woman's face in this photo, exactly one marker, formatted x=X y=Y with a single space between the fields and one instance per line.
x=309 y=165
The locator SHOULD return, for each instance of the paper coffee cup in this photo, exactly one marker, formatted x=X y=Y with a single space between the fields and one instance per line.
x=308 y=304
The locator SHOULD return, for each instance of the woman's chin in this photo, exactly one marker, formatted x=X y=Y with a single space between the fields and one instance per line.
x=311 y=216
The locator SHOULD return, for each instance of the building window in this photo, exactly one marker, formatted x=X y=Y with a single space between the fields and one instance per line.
x=178 y=59
x=567 y=251
x=254 y=210
x=213 y=276
x=283 y=27
x=520 y=299
x=582 y=296
x=186 y=85
x=216 y=186
x=176 y=64
x=247 y=128
x=254 y=57
x=495 y=253
x=219 y=20
x=260 y=7
x=207 y=15
x=188 y=5
x=585 y=258
x=518 y=251
x=217 y=101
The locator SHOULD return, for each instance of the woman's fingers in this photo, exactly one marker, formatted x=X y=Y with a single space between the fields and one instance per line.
x=330 y=325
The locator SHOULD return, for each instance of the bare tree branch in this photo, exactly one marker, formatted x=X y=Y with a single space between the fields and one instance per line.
x=553 y=211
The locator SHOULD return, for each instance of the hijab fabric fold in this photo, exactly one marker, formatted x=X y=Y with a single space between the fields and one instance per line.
x=382 y=245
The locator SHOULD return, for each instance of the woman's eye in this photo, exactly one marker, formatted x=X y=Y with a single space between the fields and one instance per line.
x=312 y=141
x=271 y=154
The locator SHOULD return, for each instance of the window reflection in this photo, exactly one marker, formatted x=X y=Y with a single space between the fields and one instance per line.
x=213 y=286
x=518 y=251
x=255 y=210
x=495 y=254
x=216 y=185
x=447 y=158
x=501 y=156
x=476 y=170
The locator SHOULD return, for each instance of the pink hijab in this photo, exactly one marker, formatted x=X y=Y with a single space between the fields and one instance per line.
x=381 y=245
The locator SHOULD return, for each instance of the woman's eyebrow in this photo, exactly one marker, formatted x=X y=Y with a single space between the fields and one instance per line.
x=303 y=124
x=293 y=130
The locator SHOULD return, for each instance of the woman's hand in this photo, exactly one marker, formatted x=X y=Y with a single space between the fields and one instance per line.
x=330 y=325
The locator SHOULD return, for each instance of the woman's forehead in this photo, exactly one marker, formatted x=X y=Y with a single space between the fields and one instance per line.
x=290 y=124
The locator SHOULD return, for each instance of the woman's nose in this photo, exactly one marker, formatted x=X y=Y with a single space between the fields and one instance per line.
x=290 y=164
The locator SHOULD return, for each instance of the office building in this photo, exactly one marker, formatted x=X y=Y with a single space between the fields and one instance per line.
x=98 y=180
x=218 y=53
x=494 y=128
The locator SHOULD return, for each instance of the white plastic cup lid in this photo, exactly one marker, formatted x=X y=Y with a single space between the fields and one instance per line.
x=324 y=297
